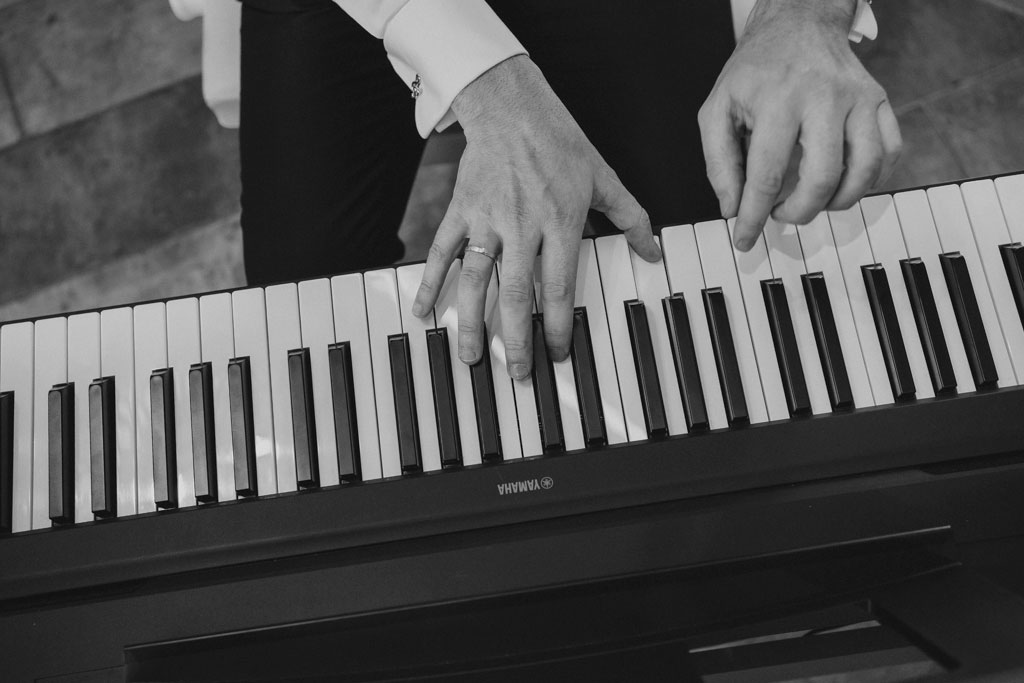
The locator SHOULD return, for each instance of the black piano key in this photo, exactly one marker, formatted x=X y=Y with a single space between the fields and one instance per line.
x=487 y=426
x=685 y=360
x=887 y=325
x=343 y=400
x=1013 y=261
x=826 y=336
x=926 y=316
x=103 y=447
x=445 y=410
x=725 y=356
x=780 y=321
x=646 y=368
x=587 y=387
x=968 y=319
x=405 y=403
x=243 y=432
x=544 y=389
x=6 y=460
x=300 y=393
x=61 y=447
x=165 y=457
x=204 y=442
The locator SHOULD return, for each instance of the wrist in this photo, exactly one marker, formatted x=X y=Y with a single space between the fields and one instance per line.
x=497 y=90
x=833 y=16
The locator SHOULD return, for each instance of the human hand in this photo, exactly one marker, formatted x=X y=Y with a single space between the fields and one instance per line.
x=525 y=182
x=794 y=86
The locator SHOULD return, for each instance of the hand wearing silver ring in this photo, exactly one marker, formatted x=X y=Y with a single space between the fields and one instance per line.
x=526 y=181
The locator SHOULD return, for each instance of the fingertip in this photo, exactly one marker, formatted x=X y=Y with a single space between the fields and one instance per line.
x=518 y=371
x=745 y=244
x=652 y=251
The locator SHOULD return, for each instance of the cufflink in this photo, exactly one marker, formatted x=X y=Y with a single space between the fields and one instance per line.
x=417 y=87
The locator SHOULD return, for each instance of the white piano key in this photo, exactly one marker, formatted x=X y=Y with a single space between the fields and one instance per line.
x=590 y=295
x=248 y=306
x=788 y=264
x=526 y=403
x=51 y=341
x=51 y=350
x=685 y=276
x=283 y=335
x=719 y=267
x=922 y=241
x=651 y=287
x=1011 y=196
x=955 y=234
x=384 y=319
x=183 y=350
x=409 y=278
x=350 y=325
x=820 y=256
x=565 y=381
x=504 y=389
x=218 y=344
x=150 y=332
x=117 y=360
x=618 y=287
x=83 y=368
x=316 y=313
x=751 y=268
x=446 y=313
x=854 y=251
x=990 y=232
x=17 y=353
x=886 y=238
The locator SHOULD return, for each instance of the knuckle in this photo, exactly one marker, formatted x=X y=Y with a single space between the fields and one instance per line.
x=517 y=292
x=516 y=348
x=556 y=292
x=475 y=277
x=768 y=182
x=426 y=289
x=822 y=185
x=437 y=252
x=468 y=328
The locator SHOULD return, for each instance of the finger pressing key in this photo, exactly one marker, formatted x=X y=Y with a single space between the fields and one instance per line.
x=477 y=265
x=771 y=145
x=447 y=243
x=515 y=296
x=557 y=278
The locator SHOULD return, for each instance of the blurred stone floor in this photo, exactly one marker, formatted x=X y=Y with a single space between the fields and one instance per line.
x=117 y=185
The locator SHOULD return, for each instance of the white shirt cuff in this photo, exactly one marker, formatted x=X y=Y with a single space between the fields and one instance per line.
x=447 y=44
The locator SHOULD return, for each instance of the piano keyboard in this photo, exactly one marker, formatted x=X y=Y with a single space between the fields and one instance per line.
x=331 y=382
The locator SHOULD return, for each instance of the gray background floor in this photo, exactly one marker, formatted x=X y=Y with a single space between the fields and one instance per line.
x=117 y=185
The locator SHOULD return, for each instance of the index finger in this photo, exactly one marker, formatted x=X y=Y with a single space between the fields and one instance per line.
x=771 y=145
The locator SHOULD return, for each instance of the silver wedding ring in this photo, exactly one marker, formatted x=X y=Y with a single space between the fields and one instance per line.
x=481 y=250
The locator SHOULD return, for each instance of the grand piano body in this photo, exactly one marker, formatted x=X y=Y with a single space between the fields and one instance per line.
x=625 y=559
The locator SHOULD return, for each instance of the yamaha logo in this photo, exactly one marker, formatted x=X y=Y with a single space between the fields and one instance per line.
x=525 y=486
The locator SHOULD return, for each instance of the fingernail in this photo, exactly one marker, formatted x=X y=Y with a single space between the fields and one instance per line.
x=417 y=309
x=744 y=243
x=468 y=357
x=518 y=371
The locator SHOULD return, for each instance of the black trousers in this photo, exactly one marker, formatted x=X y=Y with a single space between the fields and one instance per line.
x=329 y=149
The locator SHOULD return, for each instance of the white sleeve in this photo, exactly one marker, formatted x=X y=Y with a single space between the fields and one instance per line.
x=446 y=44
